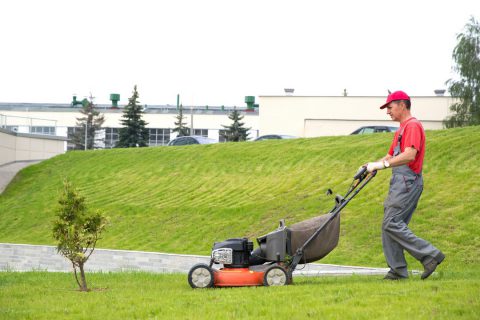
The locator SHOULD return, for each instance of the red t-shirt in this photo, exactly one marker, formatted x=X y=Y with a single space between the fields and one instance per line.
x=413 y=136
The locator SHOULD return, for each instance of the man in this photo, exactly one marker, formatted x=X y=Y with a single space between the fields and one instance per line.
x=405 y=157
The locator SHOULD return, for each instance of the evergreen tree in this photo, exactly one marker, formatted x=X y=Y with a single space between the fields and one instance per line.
x=467 y=88
x=235 y=132
x=180 y=126
x=92 y=121
x=77 y=230
x=134 y=132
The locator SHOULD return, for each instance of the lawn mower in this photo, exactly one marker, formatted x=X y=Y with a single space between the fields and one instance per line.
x=278 y=252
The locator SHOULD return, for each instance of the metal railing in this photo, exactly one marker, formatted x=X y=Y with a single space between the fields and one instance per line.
x=28 y=124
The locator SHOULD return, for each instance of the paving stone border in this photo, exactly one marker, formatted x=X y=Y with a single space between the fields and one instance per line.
x=27 y=257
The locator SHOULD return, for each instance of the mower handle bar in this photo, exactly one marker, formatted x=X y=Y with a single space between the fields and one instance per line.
x=365 y=178
x=360 y=173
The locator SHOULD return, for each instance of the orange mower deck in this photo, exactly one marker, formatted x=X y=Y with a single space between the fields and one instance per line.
x=237 y=277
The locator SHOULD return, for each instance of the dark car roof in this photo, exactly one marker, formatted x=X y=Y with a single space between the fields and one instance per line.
x=198 y=139
x=274 y=136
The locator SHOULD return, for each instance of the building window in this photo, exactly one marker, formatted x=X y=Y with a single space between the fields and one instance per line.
x=111 y=137
x=12 y=128
x=71 y=132
x=158 y=137
x=43 y=130
x=221 y=137
x=70 y=135
x=200 y=132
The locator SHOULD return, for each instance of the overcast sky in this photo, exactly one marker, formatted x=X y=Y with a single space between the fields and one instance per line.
x=217 y=52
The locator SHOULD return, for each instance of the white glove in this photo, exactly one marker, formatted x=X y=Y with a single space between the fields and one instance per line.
x=372 y=166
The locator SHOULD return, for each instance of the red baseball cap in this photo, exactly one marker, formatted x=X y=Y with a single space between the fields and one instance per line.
x=397 y=95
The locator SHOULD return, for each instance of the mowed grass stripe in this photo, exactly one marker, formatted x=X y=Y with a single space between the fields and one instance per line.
x=183 y=199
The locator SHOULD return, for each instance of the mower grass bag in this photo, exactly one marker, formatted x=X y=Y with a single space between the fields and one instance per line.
x=322 y=244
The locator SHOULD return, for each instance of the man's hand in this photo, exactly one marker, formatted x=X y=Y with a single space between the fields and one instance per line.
x=372 y=166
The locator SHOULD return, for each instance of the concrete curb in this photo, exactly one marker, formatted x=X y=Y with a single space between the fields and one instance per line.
x=27 y=257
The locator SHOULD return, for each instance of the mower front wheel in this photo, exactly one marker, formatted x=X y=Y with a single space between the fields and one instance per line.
x=275 y=276
x=200 y=276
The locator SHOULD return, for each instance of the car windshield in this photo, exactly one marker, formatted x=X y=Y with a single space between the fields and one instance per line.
x=205 y=140
x=183 y=141
x=374 y=129
x=368 y=130
x=186 y=140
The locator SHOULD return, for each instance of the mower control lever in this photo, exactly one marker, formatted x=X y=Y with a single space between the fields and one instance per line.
x=339 y=199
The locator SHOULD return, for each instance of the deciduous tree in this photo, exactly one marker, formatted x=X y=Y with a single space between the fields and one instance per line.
x=466 y=88
x=92 y=121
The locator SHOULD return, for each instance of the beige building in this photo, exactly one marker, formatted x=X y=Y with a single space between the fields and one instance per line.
x=301 y=116
x=304 y=116
x=60 y=120
x=16 y=146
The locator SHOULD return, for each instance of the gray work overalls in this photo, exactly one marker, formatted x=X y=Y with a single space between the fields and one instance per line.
x=405 y=189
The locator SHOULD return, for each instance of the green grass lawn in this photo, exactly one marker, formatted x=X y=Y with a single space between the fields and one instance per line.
x=182 y=199
x=40 y=295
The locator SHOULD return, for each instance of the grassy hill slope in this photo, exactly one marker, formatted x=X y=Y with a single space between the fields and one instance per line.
x=182 y=199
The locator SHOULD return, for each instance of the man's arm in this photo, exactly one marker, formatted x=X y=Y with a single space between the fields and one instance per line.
x=407 y=156
x=387 y=157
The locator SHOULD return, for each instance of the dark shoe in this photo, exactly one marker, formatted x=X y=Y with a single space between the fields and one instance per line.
x=393 y=276
x=430 y=266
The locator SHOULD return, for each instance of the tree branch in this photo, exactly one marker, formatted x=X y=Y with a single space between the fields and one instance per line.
x=76 y=277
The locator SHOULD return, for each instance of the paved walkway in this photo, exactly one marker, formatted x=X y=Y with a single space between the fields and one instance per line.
x=24 y=257
x=8 y=172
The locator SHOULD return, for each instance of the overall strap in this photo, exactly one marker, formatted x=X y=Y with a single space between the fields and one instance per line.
x=396 y=150
x=404 y=169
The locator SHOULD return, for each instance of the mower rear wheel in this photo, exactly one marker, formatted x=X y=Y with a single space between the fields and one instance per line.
x=275 y=276
x=200 y=276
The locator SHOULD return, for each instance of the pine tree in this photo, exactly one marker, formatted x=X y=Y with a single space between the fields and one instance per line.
x=92 y=121
x=134 y=132
x=235 y=132
x=466 y=89
x=77 y=230
x=180 y=126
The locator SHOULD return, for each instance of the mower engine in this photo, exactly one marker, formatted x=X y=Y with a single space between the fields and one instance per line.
x=232 y=253
x=238 y=270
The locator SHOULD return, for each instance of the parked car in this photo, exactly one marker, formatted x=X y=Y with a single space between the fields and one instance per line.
x=274 y=137
x=374 y=129
x=185 y=140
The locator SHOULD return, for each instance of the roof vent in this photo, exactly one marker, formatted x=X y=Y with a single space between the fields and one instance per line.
x=289 y=91
x=250 y=100
x=439 y=92
x=115 y=97
x=75 y=101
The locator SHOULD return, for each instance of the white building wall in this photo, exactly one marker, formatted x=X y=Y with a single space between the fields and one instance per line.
x=7 y=148
x=292 y=115
x=326 y=116
x=205 y=120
